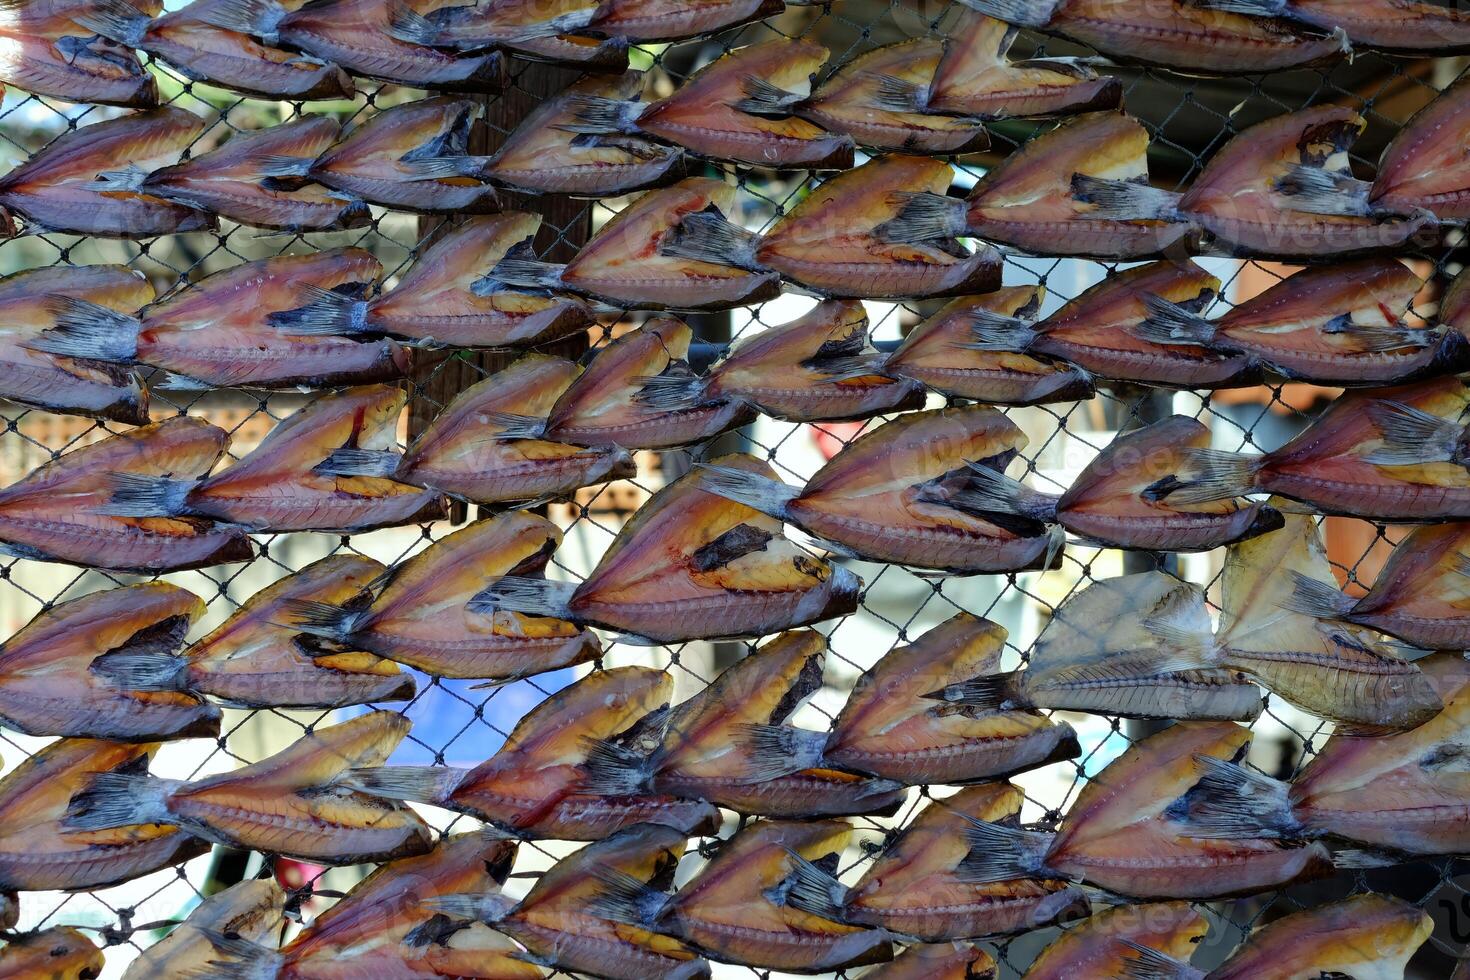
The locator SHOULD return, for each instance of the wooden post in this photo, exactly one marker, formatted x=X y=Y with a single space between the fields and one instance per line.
x=438 y=376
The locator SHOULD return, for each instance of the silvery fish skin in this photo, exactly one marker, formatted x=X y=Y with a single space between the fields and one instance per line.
x=1101 y=331
x=820 y=367
x=692 y=564
x=900 y=494
x=942 y=354
x=936 y=961
x=290 y=803
x=1402 y=792
x=386 y=927
x=57 y=189
x=250 y=910
x=1037 y=198
x=59 y=675
x=852 y=101
x=229 y=181
x=373 y=161
x=50 y=50
x=538 y=784
x=975 y=78
x=674 y=20
x=58 y=953
x=1260 y=194
x=732 y=908
x=1421 y=168
x=834 y=240
x=37 y=853
x=1128 y=829
x=358 y=35
x=256 y=659
x=711 y=114
x=889 y=727
x=1362 y=936
x=541 y=155
x=1173 y=34
x=1394 y=454
x=75 y=386
x=59 y=512
x=187 y=40
x=1398 y=26
x=917 y=887
x=233 y=328
x=605 y=406
x=282 y=484
x=1420 y=596
x=1346 y=324
x=1078 y=665
x=564 y=919
x=1107 y=944
x=710 y=752
x=468 y=453
x=628 y=261
x=421 y=615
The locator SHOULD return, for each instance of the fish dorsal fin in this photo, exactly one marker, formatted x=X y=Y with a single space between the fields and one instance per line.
x=453 y=263
x=433 y=127
x=242 y=157
x=1109 y=146
x=647 y=852
x=528 y=389
x=745 y=875
x=147 y=140
x=606 y=394
x=561 y=729
x=1109 y=310
x=936 y=841
x=276 y=285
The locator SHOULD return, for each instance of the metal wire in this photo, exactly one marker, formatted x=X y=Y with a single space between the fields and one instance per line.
x=1188 y=119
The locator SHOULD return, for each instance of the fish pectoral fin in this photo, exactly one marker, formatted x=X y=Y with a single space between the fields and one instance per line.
x=600 y=114
x=672 y=391
x=992 y=331
x=258 y=18
x=1215 y=474
x=991 y=692
x=765 y=98
x=894 y=94
x=360 y=462
x=142 y=670
x=1319 y=191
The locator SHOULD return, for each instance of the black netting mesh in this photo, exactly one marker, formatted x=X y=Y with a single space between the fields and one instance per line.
x=1189 y=118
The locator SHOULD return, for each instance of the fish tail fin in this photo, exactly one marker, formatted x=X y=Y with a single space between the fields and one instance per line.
x=765 y=98
x=283 y=165
x=1151 y=964
x=991 y=491
x=1002 y=853
x=119 y=799
x=420 y=784
x=780 y=750
x=839 y=369
x=1411 y=436
x=1125 y=200
x=181 y=382
x=600 y=114
x=439 y=168
x=1185 y=640
x=489 y=907
x=360 y=462
x=622 y=897
x=322 y=619
x=1170 y=323
x=526 y=595
x=411 y=27
x=671 y=392
x=1215 y=474
x=237 y=958
x=116 y=20
x=611 y=769
x=1231 y=802
x=1022 y=13
x=258 y=18
x=88 y=331
x=129 y=179
x=142 y=671
x=770 y=497
x=327 y=313
x=1250 y=8
x=996 y=331
x=925 y=216
x=512 y=426
x=1316 y=598
x=1319 y=191
x=992 y=692
x=708 y=236
x=525 y=273
x=810 y=888
x=894 y=94
x=139 y=495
